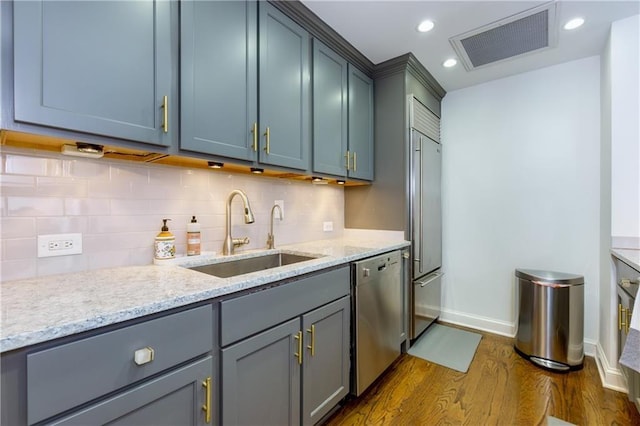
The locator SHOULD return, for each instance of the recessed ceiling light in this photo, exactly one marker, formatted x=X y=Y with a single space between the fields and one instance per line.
x=449 y=63
x=573 y=23
x=425 y=26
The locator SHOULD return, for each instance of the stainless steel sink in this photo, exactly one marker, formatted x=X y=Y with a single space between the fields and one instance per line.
x=232 y=268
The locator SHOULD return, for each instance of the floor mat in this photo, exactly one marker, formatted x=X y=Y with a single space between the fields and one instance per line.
x=447 y=346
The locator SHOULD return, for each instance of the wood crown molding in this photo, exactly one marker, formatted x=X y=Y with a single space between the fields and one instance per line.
x=409 y=63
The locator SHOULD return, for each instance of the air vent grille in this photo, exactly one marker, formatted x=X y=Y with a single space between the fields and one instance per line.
x=527 y=32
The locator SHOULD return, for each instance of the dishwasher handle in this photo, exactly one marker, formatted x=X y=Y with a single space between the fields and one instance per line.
x=430 y=279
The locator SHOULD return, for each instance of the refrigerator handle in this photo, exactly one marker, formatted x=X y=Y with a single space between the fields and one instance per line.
x=430 y=279
x=420 y=254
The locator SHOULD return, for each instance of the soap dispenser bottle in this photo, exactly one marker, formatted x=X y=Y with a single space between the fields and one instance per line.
x=193 y=237
x=165 y=244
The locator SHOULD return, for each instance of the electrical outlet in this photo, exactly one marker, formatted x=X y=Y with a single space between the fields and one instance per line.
x=327 y=226
x=281 y=204
x=59 y=244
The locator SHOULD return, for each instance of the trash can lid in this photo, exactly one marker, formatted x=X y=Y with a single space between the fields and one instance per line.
x=549 y=276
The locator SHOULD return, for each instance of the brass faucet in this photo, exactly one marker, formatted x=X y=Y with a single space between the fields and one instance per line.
x=270 y=238
x=231 y=243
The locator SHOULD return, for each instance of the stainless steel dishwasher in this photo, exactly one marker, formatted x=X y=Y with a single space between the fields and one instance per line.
x=377 y=308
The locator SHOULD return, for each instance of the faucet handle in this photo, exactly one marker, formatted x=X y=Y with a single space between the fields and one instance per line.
x=240 y=241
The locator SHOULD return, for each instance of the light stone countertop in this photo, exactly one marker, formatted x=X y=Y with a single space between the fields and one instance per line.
x=630 y=256
x=45 y=308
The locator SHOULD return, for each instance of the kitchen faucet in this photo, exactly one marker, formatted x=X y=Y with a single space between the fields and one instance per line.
x=231 y=243
x=270 y=238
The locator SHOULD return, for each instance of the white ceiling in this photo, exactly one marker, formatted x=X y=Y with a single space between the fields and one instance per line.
x=382 y=30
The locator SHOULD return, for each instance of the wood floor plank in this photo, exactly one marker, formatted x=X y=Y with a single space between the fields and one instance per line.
x=500 y=388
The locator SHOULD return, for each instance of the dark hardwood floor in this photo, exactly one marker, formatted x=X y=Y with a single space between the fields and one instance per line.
x=500 y=388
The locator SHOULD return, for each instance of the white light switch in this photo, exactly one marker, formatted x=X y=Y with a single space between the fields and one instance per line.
x=327 y=226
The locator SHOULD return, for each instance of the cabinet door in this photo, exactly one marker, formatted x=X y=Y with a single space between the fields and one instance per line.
x=329 y=111
x=360 y=124
x=326 y=359
x=99 y=67
x=218 y=90
x=284 y=90
x=176 y=398
x=261 y=378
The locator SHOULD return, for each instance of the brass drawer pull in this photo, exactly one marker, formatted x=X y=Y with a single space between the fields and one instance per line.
x=298 y=354
x=207 y=400
x=165 y=113
x=312 y=346
x=254 y=130
x=267 y=136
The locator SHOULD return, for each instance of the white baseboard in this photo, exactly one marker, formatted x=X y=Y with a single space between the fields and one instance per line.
x=610 y=376
x=490 y=325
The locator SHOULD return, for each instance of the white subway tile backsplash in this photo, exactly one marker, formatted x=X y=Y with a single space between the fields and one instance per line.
x=18 y=248
x=87 y=206
x=61 y=225
x=62 y=264
x=17 y=185
x=61 y=187
x=119 y=206
x=34 y=206
x=31 y=165
x=17 y=227
x=17 y=269
x=93 y=169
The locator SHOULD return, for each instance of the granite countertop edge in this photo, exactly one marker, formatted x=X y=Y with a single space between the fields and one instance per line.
x=629 y=256
x=46 y=308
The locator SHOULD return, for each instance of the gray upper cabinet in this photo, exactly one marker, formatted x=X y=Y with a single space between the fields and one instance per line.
x=218 y=80
x=284 y=90
x=342 y=116
x=98 y=67
x=360 y=125
x=330 y=93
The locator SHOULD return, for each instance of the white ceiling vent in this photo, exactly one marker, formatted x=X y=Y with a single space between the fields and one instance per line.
x=530 y=31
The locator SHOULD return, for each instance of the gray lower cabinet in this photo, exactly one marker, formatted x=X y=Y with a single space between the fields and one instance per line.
x=176 y=398
x=294 y=373
x=342 y=116
x=290 y=356
x=158 y=371
x=218 y=78
x=284 y=85
x=99 y=67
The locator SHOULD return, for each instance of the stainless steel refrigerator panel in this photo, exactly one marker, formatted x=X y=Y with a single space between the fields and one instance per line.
x=427 y=294
x=427 y=205
x=378 y=316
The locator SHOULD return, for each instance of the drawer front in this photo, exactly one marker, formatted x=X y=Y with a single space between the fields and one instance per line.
x=252 y=313
x=66 y=376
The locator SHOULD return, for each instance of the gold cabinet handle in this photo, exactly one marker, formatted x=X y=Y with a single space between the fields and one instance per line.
x=312 y=346
x=267 y=135
x=207 y=403
x=165 y=113
x=298 y=354
x=622 y=314
x=346 y=156
x=254 y=130
x=355 y=162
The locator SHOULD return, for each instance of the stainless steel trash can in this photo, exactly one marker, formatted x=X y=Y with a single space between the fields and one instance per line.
x=550 y=319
